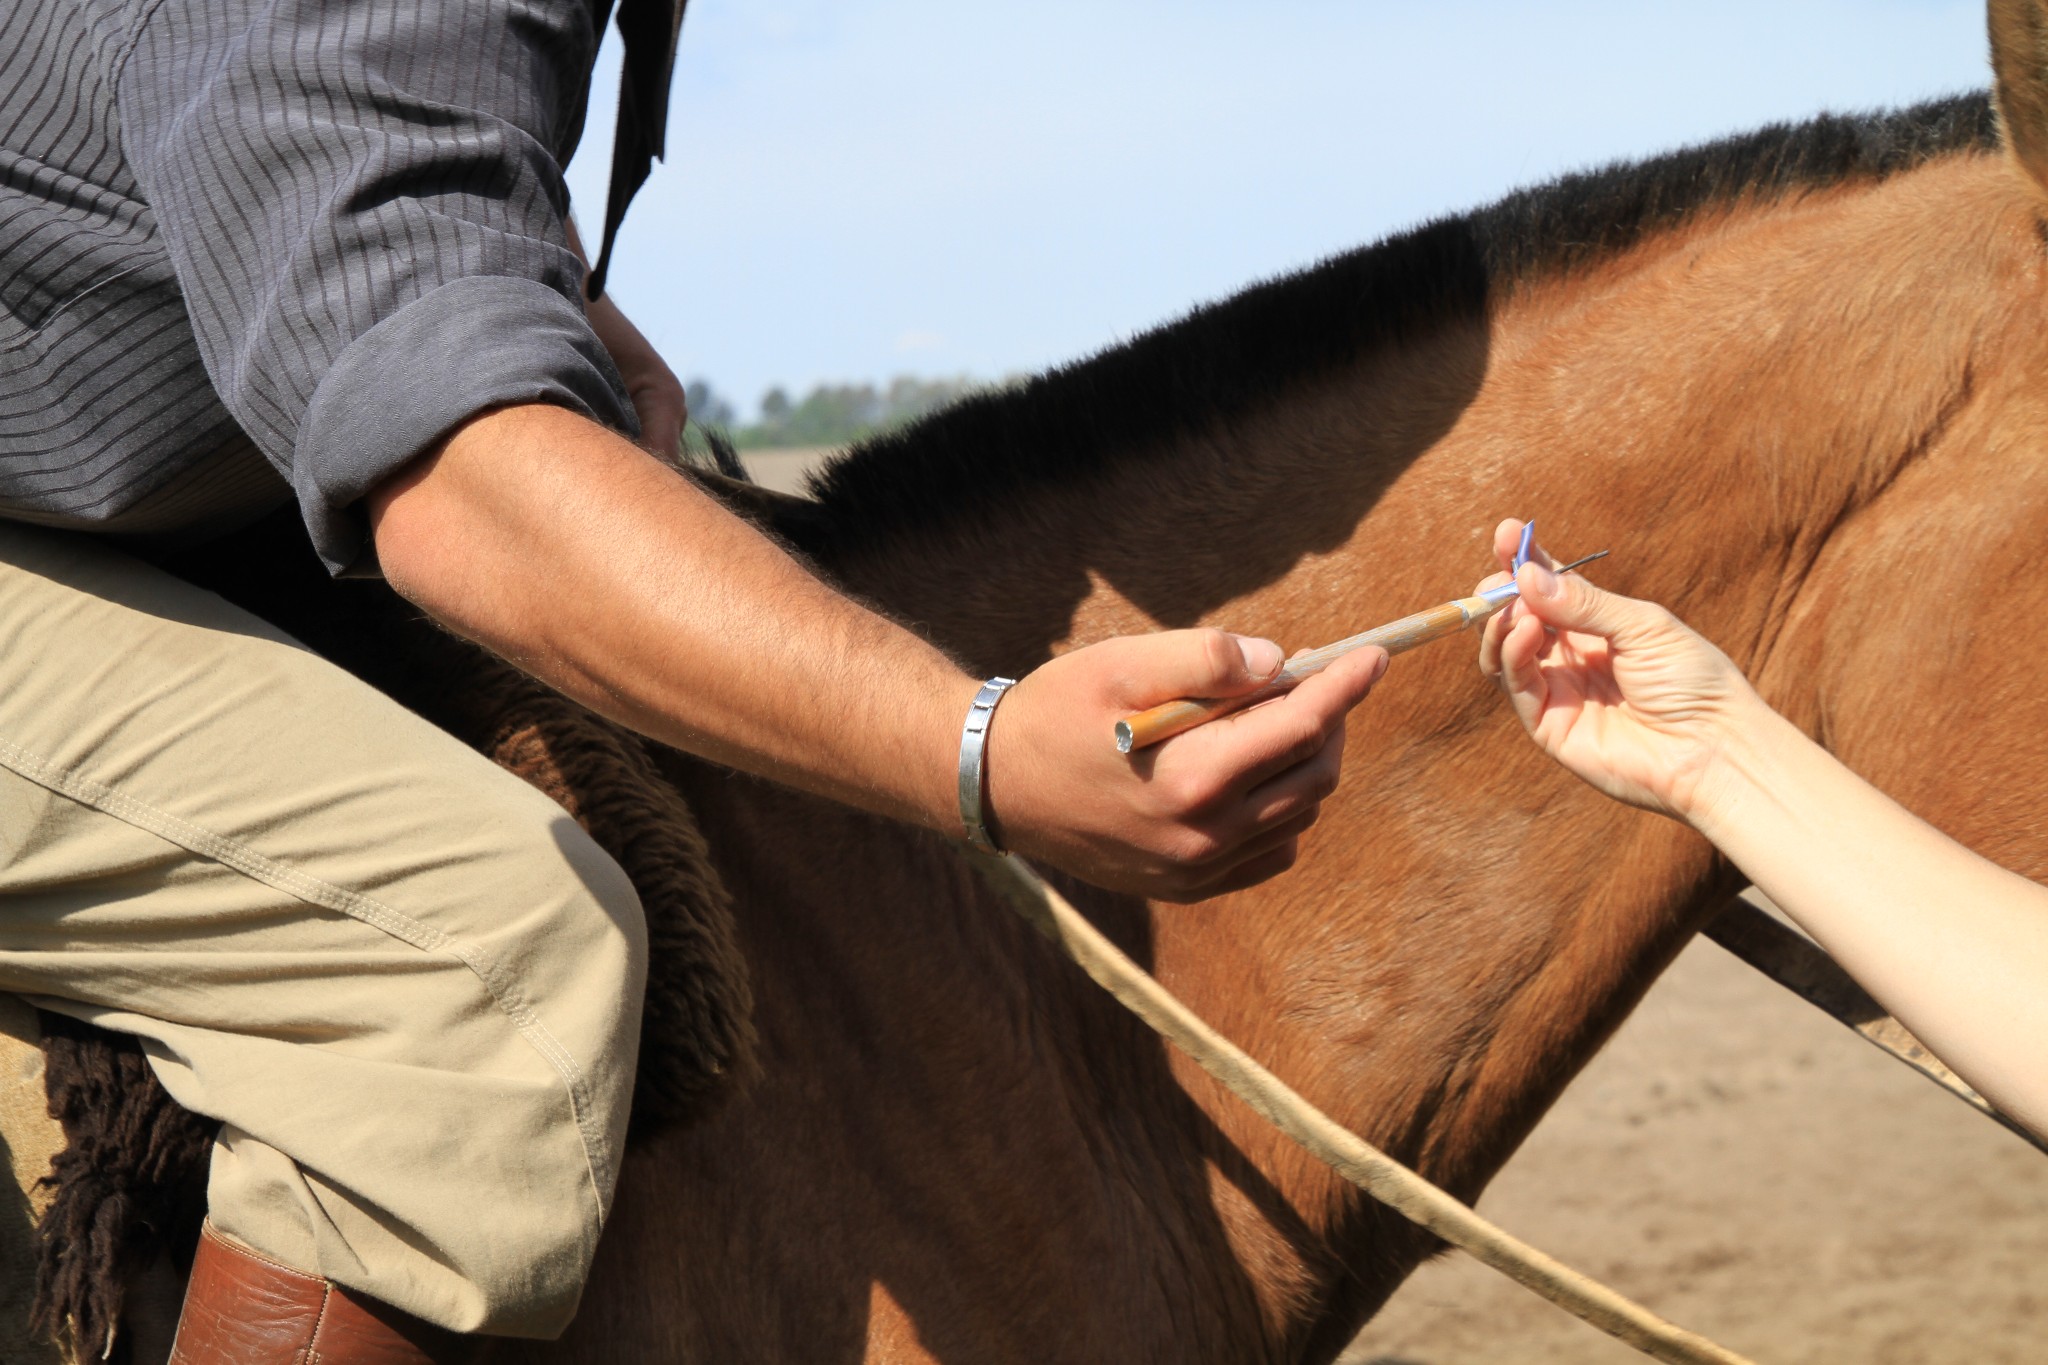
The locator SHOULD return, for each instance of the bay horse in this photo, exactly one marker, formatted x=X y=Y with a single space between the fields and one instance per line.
x=1794 y=380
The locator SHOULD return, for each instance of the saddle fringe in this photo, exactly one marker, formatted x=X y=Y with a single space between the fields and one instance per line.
x=129 y=1185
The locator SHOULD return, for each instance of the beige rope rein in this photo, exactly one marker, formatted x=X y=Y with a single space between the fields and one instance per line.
x=1364 y=1165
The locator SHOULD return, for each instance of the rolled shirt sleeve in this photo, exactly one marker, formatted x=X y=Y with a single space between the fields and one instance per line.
x=363 y=204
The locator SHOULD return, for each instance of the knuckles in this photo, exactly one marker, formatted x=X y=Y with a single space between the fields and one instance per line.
x=1222 y=661
x=1306 y=743
x=1191 y=848
x=1186 y=794
x=1191 y=879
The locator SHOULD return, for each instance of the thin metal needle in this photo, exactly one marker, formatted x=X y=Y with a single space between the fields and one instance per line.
x=1585 y=559
x=1171 y=718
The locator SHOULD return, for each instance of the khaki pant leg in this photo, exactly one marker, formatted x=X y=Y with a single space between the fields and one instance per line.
x=407 y=983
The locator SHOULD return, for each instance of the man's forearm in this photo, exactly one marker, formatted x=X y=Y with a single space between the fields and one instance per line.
x=572 y=553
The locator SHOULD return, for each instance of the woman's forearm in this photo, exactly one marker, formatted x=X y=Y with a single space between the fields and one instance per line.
x=1953 y=945
x=1638 y=704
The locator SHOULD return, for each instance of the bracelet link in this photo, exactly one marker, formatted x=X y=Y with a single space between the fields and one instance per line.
x=973 y=746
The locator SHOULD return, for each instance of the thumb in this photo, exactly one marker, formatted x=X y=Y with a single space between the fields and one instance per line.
x=1569 y=602
x=1197 y=663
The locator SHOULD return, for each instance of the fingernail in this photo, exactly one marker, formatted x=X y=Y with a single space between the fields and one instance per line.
x=1543 y=581
x=1262 y=658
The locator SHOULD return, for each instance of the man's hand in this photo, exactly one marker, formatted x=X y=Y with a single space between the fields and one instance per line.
x=1216 y=809
x=656 y=392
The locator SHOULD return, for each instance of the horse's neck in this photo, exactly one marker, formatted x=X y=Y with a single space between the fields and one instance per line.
x=1454 y=945
x=1469 y=924
x=1719 y=408
x=1430 y=976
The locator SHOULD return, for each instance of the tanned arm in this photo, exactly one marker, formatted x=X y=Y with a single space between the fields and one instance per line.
x=581 y=558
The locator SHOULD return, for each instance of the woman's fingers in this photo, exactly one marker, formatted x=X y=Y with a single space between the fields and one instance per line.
x=1569 y=602
x=1493 y=632
x=1519 y=655
x=1507 y=541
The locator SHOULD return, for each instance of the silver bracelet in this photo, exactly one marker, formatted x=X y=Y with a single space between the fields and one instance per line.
x=973 y=744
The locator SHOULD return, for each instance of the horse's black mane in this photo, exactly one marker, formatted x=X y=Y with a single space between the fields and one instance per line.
x=1229 y=358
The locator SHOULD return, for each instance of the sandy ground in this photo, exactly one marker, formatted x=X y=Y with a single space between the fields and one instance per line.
x=1747 y=1167
x=784 y=470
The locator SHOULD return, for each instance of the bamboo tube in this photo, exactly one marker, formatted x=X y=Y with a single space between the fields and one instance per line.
x=1168 y=719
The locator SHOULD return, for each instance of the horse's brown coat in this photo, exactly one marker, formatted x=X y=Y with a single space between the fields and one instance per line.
x=1804 y=415
x=1807 y=422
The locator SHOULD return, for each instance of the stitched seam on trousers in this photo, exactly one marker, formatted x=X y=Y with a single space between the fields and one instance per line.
x=205 y=842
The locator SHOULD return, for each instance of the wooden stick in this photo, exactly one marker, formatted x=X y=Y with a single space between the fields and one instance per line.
x=1351 y=1156
x=1168 y=719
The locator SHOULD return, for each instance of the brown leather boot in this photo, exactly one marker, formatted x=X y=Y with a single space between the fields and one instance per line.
x=244 y=1309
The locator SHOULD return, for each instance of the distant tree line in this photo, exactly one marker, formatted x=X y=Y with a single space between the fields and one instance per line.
x=829 y=415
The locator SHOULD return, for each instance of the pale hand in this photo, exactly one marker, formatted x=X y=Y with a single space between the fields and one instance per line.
x=1621 y=692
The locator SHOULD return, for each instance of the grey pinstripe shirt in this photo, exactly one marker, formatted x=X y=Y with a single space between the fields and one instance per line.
x=252 y=250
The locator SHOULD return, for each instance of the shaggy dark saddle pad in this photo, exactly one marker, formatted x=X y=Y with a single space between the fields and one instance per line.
x=131 y=1181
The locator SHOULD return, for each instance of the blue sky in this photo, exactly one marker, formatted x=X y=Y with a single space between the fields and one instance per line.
x=862 y=188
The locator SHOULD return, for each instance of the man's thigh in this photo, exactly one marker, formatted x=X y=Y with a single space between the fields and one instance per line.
x=404 y=980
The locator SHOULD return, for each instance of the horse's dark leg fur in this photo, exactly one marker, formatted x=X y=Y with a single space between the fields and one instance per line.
x=130 y=1183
